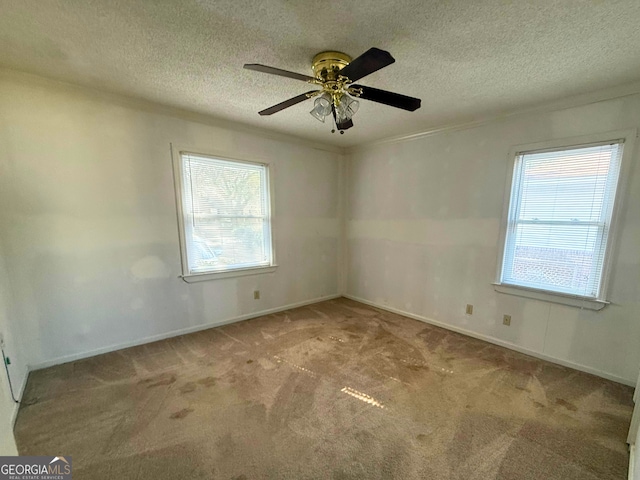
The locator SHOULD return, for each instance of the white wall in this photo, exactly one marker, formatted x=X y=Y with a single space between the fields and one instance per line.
x=423 y=223
x=89 y=230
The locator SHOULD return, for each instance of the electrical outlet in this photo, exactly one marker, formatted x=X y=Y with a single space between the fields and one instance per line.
x=256 y=294
x=506 y=320
x=469 y=309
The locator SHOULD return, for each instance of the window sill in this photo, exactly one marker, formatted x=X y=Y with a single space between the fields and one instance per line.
x=239 y=272
x=571 y=300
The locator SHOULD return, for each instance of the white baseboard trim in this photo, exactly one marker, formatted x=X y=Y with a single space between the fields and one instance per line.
x=497 y=341
x=174 y=333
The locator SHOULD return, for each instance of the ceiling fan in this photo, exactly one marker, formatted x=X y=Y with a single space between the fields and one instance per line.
x=334 y=73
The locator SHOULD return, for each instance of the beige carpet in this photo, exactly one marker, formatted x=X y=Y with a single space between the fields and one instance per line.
x=336 y=390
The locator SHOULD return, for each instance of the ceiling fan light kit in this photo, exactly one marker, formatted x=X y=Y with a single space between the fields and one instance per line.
x=335 y=73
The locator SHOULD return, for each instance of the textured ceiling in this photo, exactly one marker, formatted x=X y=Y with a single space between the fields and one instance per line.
x=463 y=58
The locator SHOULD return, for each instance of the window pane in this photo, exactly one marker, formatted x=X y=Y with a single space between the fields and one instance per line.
x=555 y=257
x=566 y=185
x=229 y=243
x=224 y=188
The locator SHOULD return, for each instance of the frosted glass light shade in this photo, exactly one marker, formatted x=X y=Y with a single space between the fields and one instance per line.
x=321 y=107
x=347 y=109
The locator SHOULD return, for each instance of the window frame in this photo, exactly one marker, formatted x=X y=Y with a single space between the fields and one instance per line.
x=628 y=138
x=177 y=153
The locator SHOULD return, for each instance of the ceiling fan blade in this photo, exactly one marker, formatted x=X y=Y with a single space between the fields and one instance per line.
x=277 y=71
x=370 y=61
x=286 y=104
x=389 y=98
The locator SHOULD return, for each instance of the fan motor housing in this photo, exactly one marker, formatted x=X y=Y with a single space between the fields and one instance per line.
x=325 y=65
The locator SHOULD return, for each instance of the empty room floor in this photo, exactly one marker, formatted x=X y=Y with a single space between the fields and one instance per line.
x=334 y=390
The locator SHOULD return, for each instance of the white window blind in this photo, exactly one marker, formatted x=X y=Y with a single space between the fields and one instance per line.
x=559 y=218
x=226 y=214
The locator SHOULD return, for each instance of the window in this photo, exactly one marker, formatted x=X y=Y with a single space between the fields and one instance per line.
x=225 y=219
x=559 y=219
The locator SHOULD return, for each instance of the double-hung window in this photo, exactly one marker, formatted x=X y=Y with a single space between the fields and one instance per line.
x=559 y=219
x=225 y=216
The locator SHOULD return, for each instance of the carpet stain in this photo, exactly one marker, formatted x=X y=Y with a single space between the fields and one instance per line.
x=207 y=381
x=159 y=381
x=179 y=415
x=568 y=405
x=188 y=387
x=249 y=361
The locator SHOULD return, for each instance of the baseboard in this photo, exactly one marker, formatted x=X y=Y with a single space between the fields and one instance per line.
x=174 y=333
x=497 y=341
x=632 y=460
